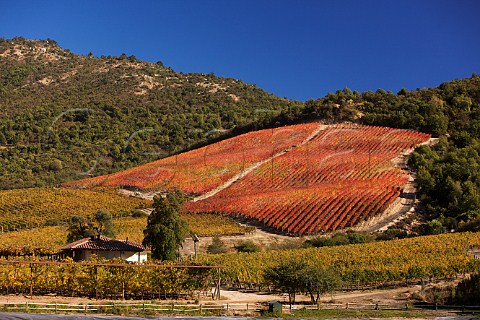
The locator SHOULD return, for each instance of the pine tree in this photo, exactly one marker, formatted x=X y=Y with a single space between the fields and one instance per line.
x=165 y=230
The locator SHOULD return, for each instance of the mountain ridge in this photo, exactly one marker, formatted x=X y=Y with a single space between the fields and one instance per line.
x=114 y=112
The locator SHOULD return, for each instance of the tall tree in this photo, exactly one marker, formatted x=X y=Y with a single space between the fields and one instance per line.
x=80 y=227
x=166 y=231
x=296 y=275
x=103 y=223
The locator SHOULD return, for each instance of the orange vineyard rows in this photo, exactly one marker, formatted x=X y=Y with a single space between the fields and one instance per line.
x=341 y=177
x=203 y=169
x=309 y=179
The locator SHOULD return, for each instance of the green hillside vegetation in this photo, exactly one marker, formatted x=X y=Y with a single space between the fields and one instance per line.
x=65 y=116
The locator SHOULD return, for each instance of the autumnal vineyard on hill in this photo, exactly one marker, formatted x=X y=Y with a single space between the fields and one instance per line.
x=36 y=207
x=203 y=169
x=341 y=177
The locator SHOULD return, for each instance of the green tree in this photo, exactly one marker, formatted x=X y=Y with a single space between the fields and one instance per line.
x=165 y=230
x=79 y=227
x=294 y=276
x=103 y=224
x=217 y=246
x=288 y=277
x=318 y=281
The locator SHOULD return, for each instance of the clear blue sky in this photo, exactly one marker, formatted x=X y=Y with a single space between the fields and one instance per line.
x=298 y=49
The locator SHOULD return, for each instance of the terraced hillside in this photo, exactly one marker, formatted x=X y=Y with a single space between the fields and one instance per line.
x=204 y=169
x=341 y=177
x=302 y=179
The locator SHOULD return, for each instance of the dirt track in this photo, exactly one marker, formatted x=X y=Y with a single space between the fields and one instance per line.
x=403 y=205
x=397 y=295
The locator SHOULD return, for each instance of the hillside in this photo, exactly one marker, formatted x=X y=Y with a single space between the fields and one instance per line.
x=341 y=177
x=38 y=207
x=301 y=179
x=201 y=170
x=65 y=116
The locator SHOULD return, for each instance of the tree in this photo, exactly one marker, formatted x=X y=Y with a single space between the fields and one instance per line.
x=103 y=224
x=287 y=276
x=293 y=276
x=318 y=281
x=165 y=231
x=82 y=227
x=217 y=246
x=79 y=227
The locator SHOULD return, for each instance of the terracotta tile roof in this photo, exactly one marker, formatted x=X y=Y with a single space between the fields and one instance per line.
x=103 y=243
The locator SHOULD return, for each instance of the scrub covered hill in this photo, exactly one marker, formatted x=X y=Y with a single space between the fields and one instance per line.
x=65 y=116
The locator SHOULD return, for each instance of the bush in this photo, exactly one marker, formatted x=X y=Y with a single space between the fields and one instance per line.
x=338 y=239
x=217 y=246
x=247 y=246
x=391 y=234
x=139 y=214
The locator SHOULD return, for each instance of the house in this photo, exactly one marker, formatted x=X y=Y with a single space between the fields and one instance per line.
x=105 y=247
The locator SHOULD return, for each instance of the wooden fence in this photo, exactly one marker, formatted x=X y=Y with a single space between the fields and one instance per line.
x=209 y=308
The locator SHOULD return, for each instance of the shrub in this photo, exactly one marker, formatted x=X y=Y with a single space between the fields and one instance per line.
x=247 y=246
x=217 y=246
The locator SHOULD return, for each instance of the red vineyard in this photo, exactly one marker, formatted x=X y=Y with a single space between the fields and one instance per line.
x=204 y=169
x=340 y=178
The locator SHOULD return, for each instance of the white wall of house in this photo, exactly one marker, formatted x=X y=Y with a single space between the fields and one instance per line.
x=129 y=256
x=137 y=257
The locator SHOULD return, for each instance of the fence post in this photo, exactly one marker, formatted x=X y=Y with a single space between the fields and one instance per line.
x=143 y=307
x=376 y=306
x=85 y=308
x=173 y=306
x=247 y=306
x=200 y=308
x=55 y=307
x=346 y=306
x=26 y=306
x=406 y=306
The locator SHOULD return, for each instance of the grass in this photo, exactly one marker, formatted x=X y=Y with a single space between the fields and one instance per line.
x=344 y=313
